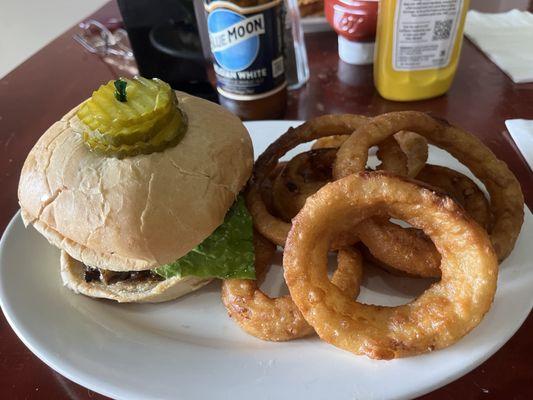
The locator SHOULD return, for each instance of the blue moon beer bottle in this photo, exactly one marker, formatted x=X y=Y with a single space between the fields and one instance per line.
x=246 y=40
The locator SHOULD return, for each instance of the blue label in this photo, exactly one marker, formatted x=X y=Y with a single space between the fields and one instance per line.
x=234 y=48
x=247 y=47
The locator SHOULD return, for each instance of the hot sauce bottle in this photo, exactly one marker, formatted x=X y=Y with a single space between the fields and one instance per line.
x=246 y=41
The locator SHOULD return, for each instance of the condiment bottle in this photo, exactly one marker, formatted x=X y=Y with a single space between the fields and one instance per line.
x=246 y=40
x=418 y=47
x=355 y=23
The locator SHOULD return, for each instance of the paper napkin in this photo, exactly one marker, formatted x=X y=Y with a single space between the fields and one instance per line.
x=521 y=131
x=506 y=39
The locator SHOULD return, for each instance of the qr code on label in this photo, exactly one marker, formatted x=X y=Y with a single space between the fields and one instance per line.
x=442 y=29
x=278 y=67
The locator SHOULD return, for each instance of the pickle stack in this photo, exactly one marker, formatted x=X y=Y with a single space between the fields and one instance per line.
x=142 y=119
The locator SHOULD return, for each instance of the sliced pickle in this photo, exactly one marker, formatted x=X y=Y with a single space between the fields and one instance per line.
x=167 y=137
x=130 y=135
x=148 y=120
x=144 y=103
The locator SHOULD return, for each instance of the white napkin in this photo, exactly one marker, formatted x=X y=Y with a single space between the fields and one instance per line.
x=505 y=38
x=521 y=131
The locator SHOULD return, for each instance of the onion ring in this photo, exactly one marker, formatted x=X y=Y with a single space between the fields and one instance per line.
x=393 y=247
x=420 y=257
x=443 y=314
x=302 y=176
x=506 y=198
x=267 y=188
x=405 y=251
x=307 y=172
x=396 y=249
x=273 y=228
x=278 y=319
x=329 y=142
x=405 y=153
x=411 y=153
x=460 y=188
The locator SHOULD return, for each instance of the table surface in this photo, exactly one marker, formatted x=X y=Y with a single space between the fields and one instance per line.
x=61 y=75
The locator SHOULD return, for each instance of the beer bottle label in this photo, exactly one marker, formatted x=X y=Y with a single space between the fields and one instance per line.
x=247 y=47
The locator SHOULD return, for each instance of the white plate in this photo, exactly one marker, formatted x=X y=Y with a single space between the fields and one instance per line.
x=190 y=349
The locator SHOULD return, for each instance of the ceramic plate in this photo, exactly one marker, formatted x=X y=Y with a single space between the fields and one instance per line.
x=190 y=349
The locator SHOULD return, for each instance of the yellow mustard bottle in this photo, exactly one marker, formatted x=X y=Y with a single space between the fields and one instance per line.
x=418 y=43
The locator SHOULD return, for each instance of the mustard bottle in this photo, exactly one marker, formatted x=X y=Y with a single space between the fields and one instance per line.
x=418 y=43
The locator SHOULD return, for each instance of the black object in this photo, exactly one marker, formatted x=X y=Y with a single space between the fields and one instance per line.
x=165 y=40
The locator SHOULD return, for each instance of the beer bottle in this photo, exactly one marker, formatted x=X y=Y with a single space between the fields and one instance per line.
x=246 y=40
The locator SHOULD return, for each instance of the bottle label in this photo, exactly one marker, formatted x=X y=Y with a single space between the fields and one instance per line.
x=424 y=34
x=247 y=47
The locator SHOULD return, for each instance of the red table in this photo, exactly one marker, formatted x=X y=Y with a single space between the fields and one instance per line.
x=62 y=74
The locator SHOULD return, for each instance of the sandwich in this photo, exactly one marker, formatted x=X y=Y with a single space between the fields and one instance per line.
x=138 y=187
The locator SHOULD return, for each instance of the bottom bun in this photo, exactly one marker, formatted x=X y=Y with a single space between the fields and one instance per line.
x=144 y=291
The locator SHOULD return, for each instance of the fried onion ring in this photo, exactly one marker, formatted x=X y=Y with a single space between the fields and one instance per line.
x=329 y=142
x=278 y=319
x=268 y=225
x=267 y=188
x=460 y=188
x=271 y=227
x=302 y=176
x=420 y=257
x=443 y=314
x=506 y=198
x=275 y=229
x=395 y=248
x=411 y=153
x=405 y=153
x=399 y=250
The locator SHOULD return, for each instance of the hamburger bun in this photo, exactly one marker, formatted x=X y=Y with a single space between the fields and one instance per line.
x=139 y=212
x=145 y=291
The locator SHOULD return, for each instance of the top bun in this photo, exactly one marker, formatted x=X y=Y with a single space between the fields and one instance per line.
x=139 y=212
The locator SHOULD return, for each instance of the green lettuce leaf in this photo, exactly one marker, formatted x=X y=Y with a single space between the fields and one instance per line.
x=227 y=254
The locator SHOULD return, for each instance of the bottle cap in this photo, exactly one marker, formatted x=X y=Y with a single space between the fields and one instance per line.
x=359 y=53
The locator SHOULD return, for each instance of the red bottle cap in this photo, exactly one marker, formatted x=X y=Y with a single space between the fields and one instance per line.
x=355 y=23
